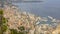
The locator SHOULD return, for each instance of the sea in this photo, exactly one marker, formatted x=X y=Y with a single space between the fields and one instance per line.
x=43 y=8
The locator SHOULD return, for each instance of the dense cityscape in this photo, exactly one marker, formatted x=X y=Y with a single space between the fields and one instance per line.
x=14 y=21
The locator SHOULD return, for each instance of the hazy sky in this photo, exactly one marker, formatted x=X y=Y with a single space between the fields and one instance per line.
x=26 y=0
x=31 y=0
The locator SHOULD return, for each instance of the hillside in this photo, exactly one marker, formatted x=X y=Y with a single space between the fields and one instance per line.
x=18 y=22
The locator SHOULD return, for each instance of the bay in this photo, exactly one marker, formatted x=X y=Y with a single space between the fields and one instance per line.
x=45 y=8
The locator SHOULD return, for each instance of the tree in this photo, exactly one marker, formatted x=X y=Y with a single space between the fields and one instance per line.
x=3 y=25
x=13 y=31
x=21 y=28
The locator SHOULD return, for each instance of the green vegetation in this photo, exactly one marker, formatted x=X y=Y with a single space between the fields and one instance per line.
x=21 y=28
x=3 y=25
x=4 y=20
x=21 y=33
x=1 y=12
x=13 y=31
x=4 y=28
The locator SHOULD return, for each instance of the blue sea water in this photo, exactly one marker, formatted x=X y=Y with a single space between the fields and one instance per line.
x=45 y=8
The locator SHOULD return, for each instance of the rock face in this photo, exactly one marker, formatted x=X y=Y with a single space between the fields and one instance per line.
x=33 y=24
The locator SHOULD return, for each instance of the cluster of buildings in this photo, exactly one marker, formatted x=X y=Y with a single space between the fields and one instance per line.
x=29 y=21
